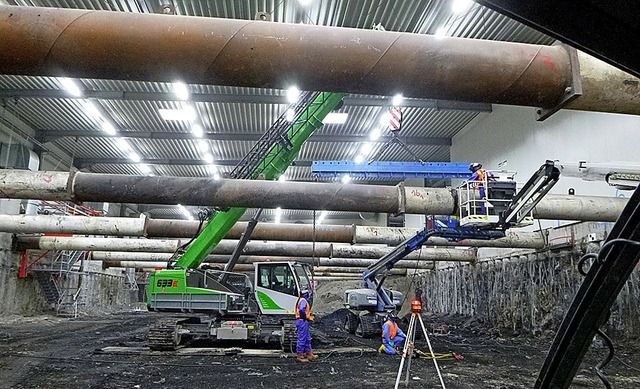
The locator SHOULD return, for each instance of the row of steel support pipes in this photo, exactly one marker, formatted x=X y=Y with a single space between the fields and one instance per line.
x=81 y=43
x=93 y=187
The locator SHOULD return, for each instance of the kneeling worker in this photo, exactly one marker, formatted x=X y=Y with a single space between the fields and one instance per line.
x=392 y=336
x=303 y=318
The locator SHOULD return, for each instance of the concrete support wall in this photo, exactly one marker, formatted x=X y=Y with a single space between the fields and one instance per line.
x=103 y=293
x=527 y=293
x=18 y=296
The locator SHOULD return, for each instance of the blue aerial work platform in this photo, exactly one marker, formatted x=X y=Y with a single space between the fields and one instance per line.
x=390 y=169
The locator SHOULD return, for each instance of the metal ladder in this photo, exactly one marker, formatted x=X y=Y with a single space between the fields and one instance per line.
x=252 y=164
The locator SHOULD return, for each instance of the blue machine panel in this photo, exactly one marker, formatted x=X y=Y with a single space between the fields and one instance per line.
x=390 y=169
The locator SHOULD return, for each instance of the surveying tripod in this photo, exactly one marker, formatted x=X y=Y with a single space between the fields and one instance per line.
x=407 y=352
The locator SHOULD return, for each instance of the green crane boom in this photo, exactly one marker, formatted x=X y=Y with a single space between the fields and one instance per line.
x=274 y=164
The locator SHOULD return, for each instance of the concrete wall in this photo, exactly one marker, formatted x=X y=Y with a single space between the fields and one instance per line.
x=512 y=134
x=18 y=296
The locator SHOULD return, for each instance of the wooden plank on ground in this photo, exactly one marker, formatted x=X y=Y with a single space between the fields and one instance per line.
x=226 y=351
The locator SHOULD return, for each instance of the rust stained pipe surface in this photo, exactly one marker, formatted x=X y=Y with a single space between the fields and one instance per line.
x=147 y=47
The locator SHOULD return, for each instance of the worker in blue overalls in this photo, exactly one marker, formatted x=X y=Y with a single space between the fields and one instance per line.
x=392 y=336
x=303 y=318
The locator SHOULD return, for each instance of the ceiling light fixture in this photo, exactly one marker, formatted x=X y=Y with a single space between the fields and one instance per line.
x=359 y=158
x=293 y=95
x=335 y=118
x=282 y=178
x=92 y=110
x=384 y=119
x=134 y=157
x=208 y=158
x=460 y=6
x=216 y=176
x=123 y=145
x=184 y=114
x=197 y=130
x=108 y=128
x=346 y=179
x=181 y=90
x=203 y=145
x=397 y=100
x=366 y=148
x=441 y=32
x=375 y=134
x=185 y=212
x=70 y=86
x=145 y=169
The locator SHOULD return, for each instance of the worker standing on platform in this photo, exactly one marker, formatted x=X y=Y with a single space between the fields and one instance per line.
x=392 y=336
x=303 y=319
x=481 y=176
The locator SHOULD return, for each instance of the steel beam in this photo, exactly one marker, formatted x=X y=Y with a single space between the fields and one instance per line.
x=237 y=98
x=152 y=47
x=114 y=188
x=52 y=135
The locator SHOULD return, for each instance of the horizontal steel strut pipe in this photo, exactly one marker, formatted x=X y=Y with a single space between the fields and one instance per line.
x=79 y=225
x=249 y=259
x=269 y=194
x=289 y=232
x=395 y=236
x=289 y=249
x=118 y=226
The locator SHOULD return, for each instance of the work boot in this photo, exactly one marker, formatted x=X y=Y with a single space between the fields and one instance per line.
x=381 y=348
x=311 y=356
x=302 y=358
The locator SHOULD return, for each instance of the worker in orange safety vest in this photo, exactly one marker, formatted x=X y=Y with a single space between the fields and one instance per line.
x=392 y=336
x=303 y=319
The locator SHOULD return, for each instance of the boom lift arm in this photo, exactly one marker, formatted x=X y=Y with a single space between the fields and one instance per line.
x=527 y=198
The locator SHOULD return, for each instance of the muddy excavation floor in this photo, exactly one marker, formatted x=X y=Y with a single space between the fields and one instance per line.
x=50 y=352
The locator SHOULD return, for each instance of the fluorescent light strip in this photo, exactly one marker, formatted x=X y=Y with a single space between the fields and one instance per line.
x=181 y=90
x=70 y=86
x=184 y=114
x=336 y=118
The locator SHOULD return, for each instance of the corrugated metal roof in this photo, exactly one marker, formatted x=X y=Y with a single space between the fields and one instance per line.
x=53 y=113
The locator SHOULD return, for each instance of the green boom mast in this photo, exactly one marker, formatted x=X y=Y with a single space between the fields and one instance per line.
x=308 y=117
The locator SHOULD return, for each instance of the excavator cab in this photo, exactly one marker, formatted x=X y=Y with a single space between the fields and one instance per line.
x=279 y=284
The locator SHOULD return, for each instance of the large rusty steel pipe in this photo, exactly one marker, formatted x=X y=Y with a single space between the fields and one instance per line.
x=269 y=194
x=148 y=47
